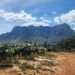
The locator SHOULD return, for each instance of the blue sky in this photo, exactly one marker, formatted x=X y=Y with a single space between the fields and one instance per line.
x=36 y=12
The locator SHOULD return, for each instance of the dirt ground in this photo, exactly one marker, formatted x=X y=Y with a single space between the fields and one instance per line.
x=66 y=66
x=10 y=71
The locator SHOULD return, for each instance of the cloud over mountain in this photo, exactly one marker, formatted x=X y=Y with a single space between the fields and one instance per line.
x=68 y=18
x=23 y=18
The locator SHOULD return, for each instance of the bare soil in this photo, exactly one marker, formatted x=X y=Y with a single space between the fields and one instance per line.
x=66 y=66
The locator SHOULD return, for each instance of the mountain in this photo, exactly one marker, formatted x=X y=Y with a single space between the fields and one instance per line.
x=40 y=33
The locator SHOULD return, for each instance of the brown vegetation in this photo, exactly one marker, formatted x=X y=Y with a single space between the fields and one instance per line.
x=63 y=64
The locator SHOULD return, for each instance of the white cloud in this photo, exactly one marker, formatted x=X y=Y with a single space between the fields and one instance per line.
x=23 y=18
x=68 y=18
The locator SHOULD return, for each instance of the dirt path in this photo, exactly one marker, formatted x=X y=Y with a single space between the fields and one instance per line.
x=67 y=64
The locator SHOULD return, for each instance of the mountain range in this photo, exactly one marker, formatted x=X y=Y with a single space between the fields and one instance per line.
x=39 y=33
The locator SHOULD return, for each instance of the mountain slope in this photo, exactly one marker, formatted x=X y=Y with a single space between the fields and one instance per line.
x=40 y=33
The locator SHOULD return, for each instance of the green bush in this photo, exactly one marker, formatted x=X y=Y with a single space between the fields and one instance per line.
x=23 y=66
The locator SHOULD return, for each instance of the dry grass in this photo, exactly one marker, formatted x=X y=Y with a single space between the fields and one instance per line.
x=59 y=64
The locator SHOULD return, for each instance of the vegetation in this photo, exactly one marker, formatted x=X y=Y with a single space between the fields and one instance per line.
x=10 y=52
x=67 y=44
x=28 y=50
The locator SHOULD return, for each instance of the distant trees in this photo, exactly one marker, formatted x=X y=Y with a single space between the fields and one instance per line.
x=67 y=44
x=46 y=44
x=9 y=51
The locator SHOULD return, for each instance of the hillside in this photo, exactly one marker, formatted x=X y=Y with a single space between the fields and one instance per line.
x=40 y=33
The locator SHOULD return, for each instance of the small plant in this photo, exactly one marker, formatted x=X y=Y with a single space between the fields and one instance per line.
x=23 y=67
x=16 y=62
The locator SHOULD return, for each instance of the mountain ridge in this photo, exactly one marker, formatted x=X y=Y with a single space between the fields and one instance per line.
x=40 y=33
